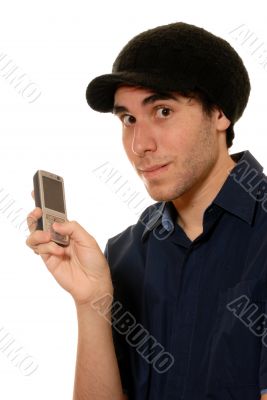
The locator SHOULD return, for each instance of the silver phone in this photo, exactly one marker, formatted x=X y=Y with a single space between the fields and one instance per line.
x=50 y=197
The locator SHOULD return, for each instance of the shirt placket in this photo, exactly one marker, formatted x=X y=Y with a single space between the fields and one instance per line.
x=184 y=323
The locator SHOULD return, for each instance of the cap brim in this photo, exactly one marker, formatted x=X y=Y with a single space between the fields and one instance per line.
x=101 y=90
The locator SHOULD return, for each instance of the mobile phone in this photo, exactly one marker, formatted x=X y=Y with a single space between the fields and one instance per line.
x=50 y=197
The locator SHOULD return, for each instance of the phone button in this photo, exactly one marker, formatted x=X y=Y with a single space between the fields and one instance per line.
x=50 y=220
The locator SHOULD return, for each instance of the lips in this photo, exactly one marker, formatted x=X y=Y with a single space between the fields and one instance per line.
x=153 y=168
x=155 y=171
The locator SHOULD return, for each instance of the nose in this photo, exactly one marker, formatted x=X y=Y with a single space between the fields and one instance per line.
x=143 y=139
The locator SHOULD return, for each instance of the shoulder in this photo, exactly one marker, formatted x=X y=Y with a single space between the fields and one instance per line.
x=135 y=231
x=130 y=239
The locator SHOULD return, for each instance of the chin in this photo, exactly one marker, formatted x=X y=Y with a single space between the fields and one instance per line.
x=167 y=193
x=161 y=196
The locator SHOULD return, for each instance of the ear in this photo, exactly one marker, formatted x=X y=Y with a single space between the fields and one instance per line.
x=222 y=122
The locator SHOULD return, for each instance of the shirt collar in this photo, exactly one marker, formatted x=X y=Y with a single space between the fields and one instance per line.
x=236 y=197
x=232 y=197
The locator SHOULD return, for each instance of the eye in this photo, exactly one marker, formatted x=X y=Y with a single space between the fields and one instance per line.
x=163 y=112
x=128 y=120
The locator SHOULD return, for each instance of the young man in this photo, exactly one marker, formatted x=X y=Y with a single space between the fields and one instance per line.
x=189 y=279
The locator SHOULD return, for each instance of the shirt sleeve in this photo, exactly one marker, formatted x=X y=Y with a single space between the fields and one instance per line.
x=119 y=344
x=263 y=391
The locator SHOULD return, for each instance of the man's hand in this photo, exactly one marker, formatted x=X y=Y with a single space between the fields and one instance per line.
x=264 y=396
x=80 y=268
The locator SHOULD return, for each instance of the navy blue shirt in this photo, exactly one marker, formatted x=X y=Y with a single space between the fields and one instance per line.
x=189 y=317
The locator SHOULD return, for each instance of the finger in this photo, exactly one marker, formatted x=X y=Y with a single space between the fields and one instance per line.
x=50 y=248
x=32 y=193
x=38 y=237
x=33 y=217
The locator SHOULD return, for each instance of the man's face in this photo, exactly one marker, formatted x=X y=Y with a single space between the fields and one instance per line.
x=169 y=134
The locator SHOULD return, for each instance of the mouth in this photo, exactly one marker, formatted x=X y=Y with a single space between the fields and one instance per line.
x=156 y=170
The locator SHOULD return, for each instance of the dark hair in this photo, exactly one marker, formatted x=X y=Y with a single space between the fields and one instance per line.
x=208 y=106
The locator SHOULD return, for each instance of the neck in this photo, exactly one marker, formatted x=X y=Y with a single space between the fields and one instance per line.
x=192 y=205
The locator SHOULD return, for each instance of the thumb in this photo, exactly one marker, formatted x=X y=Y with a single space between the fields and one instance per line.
x=74 y=230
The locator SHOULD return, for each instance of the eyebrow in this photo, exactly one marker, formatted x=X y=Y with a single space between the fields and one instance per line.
x=117 y=109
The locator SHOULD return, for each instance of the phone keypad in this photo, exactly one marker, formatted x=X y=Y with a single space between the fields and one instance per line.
x=50 y=220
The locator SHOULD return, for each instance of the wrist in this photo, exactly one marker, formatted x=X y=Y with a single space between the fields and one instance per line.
x=100 y=303
x=95 y=313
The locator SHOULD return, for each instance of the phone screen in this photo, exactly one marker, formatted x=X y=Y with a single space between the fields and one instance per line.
x=53 y=194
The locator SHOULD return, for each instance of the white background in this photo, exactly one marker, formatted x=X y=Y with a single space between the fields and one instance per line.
x=61 y=46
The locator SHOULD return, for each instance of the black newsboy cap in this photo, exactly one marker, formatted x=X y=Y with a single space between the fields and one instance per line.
x=177 y=57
